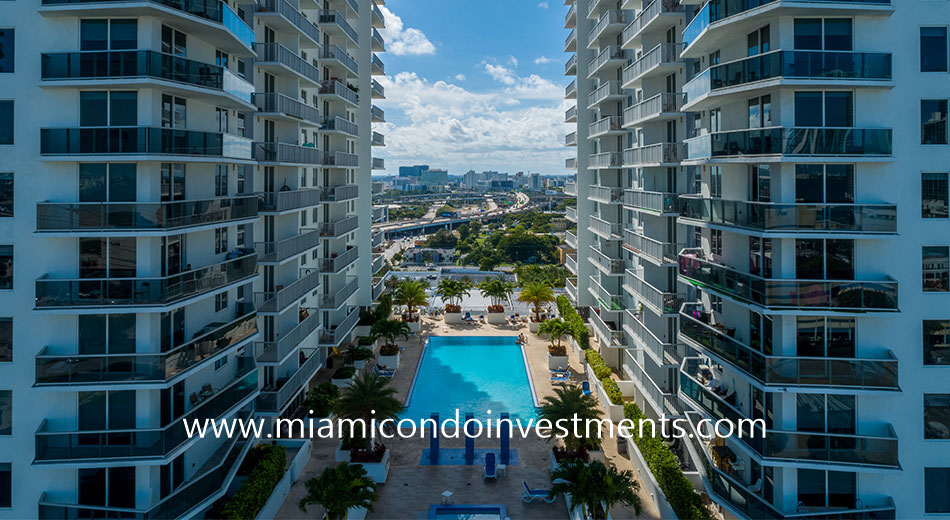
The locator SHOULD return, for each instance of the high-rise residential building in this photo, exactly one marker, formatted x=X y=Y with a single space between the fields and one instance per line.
x=185 y=231
x=741 y=167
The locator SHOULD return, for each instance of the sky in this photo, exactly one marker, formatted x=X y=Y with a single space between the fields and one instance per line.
x=474 y=84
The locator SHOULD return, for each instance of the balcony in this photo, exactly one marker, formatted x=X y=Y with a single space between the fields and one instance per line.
x=802 y=67
x=277 y=300
x=656 y=202
x=238 y=37
x=607 y=331
x=652 y=17
x=339 y=56
x=570 y=115
x=570 y=91
x=335 y=336
x=660 y=107
x=662 y=57
x=273 y=400
x=335 y=22
x=570 y=188
x=570 y=263
x=571 y=289
x=341 y=160
x=379 y=261
x=770 y=217
x=274 y=352
x=570 y=213
x=279 y=105
x=338 y=298
x=379 y=69
x=570 y=163
x=335 y=88
x=122 y=217
x=281 y=14
x=276 y=56
x=379 y=163
x=339 y=193
x=377 y=89
x=570 y=19
x=341 y=125
x=654 y=251
x=283 y=201
x=379 y=287
x=608 y=125
x=659 y=154
x=604 y=229
x=378 y=21
x=570 y=68
x=570 y=139
x=605 y=194
x=143 y=368
x=183 y=145
x=660 y=302
x=662 y=400
x=378 y=44
x=378 y=139
x=87 y=293
x=337 y=263
x=111 y=445
x=130 y=67
x=607 y=91
x=570 y=44
x=606 y=160
x=277 y=252
x=611 y=23
x=611 y=55
x=287 y=154
x=697 y=327
x=660 y=350
x=607 y=265
x=340 y=227
x=377 y=114
x=870 y=144
x=789 y=294
x=570 y=239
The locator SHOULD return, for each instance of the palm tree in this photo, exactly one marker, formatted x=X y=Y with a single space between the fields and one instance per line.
x=556 y=329
x=452 y=291
x=570 y=402
x=340 y=488
x=368 y=398
x=390 y=330
x=537 y=294
x=497 y=289
x=412 y=294
x=595 y=487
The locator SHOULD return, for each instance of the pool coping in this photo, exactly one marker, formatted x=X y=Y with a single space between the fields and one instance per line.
x=502 y=509
x=422 y=355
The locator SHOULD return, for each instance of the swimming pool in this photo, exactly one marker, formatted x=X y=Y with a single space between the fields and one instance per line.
x=468 y=512
x=471 y=374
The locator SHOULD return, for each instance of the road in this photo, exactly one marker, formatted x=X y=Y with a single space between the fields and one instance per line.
x=521 y=204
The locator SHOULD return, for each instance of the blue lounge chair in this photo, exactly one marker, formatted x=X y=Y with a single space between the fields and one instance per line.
x=586 y=387
x=491 y=471
x=529 y=495
x=560 y=377
x=468 y=316
x=383 y=372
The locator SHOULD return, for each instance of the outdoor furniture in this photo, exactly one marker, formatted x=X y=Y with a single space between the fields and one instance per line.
x=560 y=377
x=503 y=469
x=491 y=471
x=383 y=372
x=448 y=498
x=586 y=387
x=529 y=495
x=206 y=390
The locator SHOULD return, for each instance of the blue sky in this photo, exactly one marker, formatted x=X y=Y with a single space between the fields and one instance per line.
x=474 y=85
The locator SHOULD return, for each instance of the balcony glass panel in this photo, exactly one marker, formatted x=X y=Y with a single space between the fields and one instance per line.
x=759 y=216
x=131 y=141
x=793 y=141
x=104 y=216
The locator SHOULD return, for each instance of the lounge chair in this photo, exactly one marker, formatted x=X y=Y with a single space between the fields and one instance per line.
x=586 y=387
x=560 y=377
x=529 y=495
x=383 y=372
x=468 y=316
x=491 y=471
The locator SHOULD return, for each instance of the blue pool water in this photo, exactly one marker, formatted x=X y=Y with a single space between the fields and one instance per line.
x=468 y=512
x=471 y=374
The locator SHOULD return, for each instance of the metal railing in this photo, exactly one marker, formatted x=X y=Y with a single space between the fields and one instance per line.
x=377 y=114
x=378 y=139
x=605 y=90
x=609 y=53
x=659 y=153
x=605 y=194
x=278 y=251
x=335 y=300
x=295 y=17
x=378 y=91
x=605 y=160
x=570 y=115
x=287 y=153
x=280 y=298
x=339 y=193
x=333 y=336
x=652 y=249
x=608 y=230
x=570 y=239
x=342 y=125
x=570 y=139
x=652 y=107
x=607 y=264
x=652 y=201
x=288 y=200
x=570 y=68
x=378 y=65
x=611 y=332
x=273 y=103
x=332 y=16
x=339 y=227
x=339 y=262
x=275 y=399
x=275 y=351
x=334 y=52
x=661 y=54
x=570 y=188
x=661 y=302
x=379 y=163
x=647 y=15
x=570 y=91
x=661 y=349
x=610 y=17
x=277 y=53
x=605 y=125
x=335 y=88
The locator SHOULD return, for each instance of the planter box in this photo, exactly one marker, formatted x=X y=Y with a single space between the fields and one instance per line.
x=378 y=471
x=453 y=318
x=497 y=318
x=341 y=455
x=355 y=513
x=414 y=326
x=558 y=362
x=533 y=326
x=342 y=383
x=388 y=361
x=598 y=455
x=614 y=411
x=361 y=330
x=358 y=365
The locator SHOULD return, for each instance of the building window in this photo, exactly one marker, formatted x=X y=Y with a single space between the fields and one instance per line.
x=220 y=180
x=241 y=124
x=220 y=302
x=221 y=117
x=937 y=416
x=303 y=218
x=828 y=109
x=242 y=179
x=829 y=34
x=6 y=485
x=819 y=336
x=220 y=363
x=220 y=240
x=715 y=182
x=6 y=50
x=936 y=268
x=6 y=268
x=221 y=58
x=6 y=122
x=6 y=340
x=934 y=195
x=933 y=49
x=937 y=342
x=933 y=121
x=6 y=412
x=241 y=236
x=6 y=195
x=936 y=484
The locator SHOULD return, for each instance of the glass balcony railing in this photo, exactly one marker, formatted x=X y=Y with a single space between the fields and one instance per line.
x=333 y=52
x=280 y=250
x=378 y=163
x=570 y=139
x=835 y=142
x=379 y=44
x=274 y=399
x=335 y=88
x=334 y=335
x=277 y=53
x=570 y=91
x=84 y=369
x=214 y=10
x=282 y=296
x=338 y=262
x=288 y=154
x=378 y=139
x=295 y=17
x=379 y=68
x=773 y=293
x=379 y=92
x=273 y=103
x=136 y=443
x=289 y=200
x=99 y=65
x=377 y=114
x=769 y=216
x=658 y=252
x=144 y=216
x=652 y=201
x=782 y=371
x=660 y=301
x=139 y=140
x=54 y=293
x=335 y=18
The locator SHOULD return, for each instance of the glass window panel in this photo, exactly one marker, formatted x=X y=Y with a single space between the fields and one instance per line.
x=933 y=49
x=811 y=487
x=6 y=485
x=838 y=34
x=7 y=41
x=6 y=122
x=840 y=259
x=92 y=410
x=6 y=195
x=936 y=342
x=839 y=109
x=809 y=186
x=6 y=267
x=808 y=33
x=122 y=257
x=123 y=34
x=93 y=108
x=808 y=109
x=92 y=486
x=121 y=333
x=92 y=258
x=6 y=412
x=839 y=183
x=122 y=487
x=933 y=121
x=123 y=108
x=841 y=337
x=935 y=265
x=93 y=35
x=92 y=334
x=810 y=412
x=841 y=413
x=811 y=336
x=122 y=410
x=122 y=182
x=92 y=182
x=937 y=490
x=842 y=489
x=809 y=259
x=937 y=416
x=6 y=340
x=934 y=195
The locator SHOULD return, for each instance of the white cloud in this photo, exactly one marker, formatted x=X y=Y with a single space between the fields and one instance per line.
x=460 y=77
x=517 y=127
x=402 y=41
x=543 y=60
x=512 y=61
x=543 y=5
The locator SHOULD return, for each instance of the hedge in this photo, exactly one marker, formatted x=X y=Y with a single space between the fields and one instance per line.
x=254 y=492
x=666 y=469
x=569 y=314
x=602 y=373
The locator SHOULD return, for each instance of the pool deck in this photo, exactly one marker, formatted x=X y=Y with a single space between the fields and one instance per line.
x=410 y=488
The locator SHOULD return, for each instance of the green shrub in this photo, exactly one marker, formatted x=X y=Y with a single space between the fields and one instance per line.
x=269 y=461
x=365 y=341
x=666 y=469
x=357 y=354
x=388 y=350
x=557 y=350
x=322 y=399
x=344 y=373
x=569 y=314
x=612 y=390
